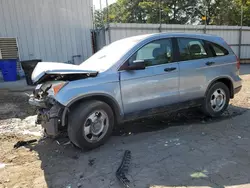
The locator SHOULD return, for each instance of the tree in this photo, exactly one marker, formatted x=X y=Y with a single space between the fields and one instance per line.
x=124 y=11
x=235 y=13
x=181 y=11
x=154 y=11
x=217 y=12
x=223 y=12
x=98 y=19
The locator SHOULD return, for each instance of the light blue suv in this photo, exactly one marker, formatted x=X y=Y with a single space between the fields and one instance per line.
x=133 y=78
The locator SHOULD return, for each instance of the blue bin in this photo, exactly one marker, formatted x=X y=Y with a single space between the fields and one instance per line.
x=9 y=70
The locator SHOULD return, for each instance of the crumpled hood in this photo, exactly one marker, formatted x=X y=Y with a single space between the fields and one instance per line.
x=57 y=71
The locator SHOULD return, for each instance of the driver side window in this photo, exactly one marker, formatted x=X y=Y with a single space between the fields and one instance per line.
x=155 y=53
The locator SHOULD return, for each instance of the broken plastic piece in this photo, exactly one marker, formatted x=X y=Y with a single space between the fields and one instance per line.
x=123 y=168
x=2 y=165
x=24 y=143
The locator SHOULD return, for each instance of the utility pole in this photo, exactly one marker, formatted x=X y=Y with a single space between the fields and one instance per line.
x=206 y=10
x=160 y=12
x=93 y=16
x=243 y=2
x=204 y=18
x=100 y=2
x=205 y=30
x=101 y=11
x=107 y=7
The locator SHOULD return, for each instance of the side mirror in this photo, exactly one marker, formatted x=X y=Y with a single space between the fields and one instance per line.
x=137 y=65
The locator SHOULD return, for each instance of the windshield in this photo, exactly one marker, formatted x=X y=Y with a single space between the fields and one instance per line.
x=109 y=55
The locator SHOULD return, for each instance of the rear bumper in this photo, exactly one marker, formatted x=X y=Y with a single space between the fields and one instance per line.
x=237 y=90
x=237 y=85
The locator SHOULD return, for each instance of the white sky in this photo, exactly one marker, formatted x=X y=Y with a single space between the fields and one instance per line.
x=97 y=3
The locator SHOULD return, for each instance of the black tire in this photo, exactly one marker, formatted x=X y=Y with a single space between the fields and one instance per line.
x=207 y=107
x=78 y=116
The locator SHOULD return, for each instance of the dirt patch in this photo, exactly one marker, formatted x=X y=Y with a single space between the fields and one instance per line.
x=23 y=164
x=242 y=99
x=16 y=115
x=15 y=105
x=16 y=156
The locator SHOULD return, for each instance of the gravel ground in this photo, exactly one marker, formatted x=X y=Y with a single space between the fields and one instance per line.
x=16 y=115
x=183 y=149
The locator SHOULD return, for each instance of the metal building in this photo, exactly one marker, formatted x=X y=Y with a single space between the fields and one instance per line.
x=51 y=30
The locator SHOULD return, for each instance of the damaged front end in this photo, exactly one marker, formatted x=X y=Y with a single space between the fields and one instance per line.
x=49 y=111
x=51 y=114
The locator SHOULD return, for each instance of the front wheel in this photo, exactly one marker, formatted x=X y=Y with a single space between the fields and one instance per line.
x=90 y=124
x=217 y=100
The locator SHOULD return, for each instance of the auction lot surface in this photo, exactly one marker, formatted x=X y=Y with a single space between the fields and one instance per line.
x=182 y=149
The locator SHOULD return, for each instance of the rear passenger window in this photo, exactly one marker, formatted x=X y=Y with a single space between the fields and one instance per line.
x=191 y=49
x=218 y=50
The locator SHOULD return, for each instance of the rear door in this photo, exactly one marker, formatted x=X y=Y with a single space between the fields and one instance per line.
x=195 y=60
x=224 y=61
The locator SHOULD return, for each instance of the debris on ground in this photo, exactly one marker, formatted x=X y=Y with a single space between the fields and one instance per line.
x=63 y=140
x=24 y=126
x=123 y=169
x=24 y=143
x=91 y=162
x=2 y=165
x=79 y=185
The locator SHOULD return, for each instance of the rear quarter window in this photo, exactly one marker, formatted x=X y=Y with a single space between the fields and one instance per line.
x=218 y=50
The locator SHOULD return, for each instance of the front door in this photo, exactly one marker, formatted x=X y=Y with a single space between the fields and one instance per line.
x=157 y=85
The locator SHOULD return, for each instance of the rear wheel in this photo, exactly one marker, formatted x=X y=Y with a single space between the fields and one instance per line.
x=90 y=124
x=217 y=99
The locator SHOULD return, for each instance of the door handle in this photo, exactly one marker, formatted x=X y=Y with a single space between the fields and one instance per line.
x=210 y=63
x=170 y=69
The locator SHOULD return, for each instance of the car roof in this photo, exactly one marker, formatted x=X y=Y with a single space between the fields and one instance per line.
x=156 y=36
x=191 y=35
x=139 y=38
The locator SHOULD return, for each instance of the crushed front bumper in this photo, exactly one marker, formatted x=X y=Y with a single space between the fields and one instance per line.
x=36 y=102
x=49 y=116
x=237 y=90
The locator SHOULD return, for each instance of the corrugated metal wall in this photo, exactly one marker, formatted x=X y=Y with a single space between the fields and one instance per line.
x=51 y=30
x=230 y=33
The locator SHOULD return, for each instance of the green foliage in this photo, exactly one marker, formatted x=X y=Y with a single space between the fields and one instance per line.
x=154 y=11
x=218 y=12
x=98 y=18
x=235 y=16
